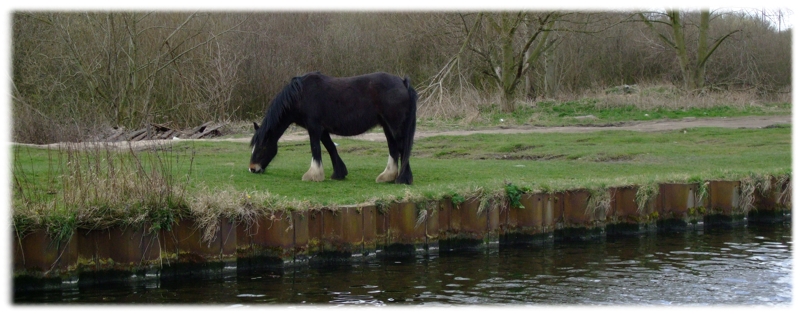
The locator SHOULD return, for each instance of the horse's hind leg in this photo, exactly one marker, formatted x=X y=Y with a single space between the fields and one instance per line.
x=404 y=176
x=315 y=172
x=390 y=173
x=404 y=144
x=339 y=169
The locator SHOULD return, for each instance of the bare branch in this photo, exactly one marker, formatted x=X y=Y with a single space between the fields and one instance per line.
x=714 y=47
x=650 y=25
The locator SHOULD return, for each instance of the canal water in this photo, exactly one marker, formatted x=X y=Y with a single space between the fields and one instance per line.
x=741 y=266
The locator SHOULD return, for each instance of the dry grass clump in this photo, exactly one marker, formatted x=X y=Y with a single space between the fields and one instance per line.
x=427 y=202
x=748 y=187
x=784 y=183
x=599 y=203
x=645 y=195
x=649 y=96
x=99 y=186
x=762 y=184
x=464 y=103
x=96 y=187
x=208 y=206
x=495 y=200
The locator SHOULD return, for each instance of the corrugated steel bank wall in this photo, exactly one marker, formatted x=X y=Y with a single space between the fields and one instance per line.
x=352 y=233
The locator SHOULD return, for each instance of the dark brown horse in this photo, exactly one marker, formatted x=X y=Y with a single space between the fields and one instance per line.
x=345 y=106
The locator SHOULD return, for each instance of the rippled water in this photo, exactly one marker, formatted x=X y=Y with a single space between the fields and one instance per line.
x=746 y=265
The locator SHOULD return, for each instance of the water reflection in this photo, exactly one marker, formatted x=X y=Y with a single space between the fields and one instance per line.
x=747 y=265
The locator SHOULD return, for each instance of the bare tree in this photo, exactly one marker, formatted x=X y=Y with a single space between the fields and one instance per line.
x=693 y=68
x=508 y=44
x=124 y=68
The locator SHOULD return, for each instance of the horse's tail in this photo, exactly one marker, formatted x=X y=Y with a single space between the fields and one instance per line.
x=411 y=123
x=408 y=138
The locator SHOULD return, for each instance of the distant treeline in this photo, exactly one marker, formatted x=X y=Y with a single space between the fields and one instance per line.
x=74 y=73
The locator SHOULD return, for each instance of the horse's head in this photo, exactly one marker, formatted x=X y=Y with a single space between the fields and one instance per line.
x=264 y=149
x=276 y=120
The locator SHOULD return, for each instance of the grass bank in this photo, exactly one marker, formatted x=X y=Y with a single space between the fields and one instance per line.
x=62 y=189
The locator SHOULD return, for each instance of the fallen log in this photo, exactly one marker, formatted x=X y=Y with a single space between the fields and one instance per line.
x=160 y=127
x=200 y=128
x=209 y=130
x=131 y=136
x=116 y=135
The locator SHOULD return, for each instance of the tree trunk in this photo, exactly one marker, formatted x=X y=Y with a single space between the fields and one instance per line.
x=693 y=71
x=680 y=49
x=550 y=73
x=507 y=64
x=702 y=50
x=507 y=67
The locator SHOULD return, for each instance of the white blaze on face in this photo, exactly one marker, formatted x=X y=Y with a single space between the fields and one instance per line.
x=254 y=168
x=390 y=173
x=315 y=172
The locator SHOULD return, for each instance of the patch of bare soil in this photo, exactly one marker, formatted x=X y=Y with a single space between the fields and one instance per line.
x=524 y=157
x=753 y=122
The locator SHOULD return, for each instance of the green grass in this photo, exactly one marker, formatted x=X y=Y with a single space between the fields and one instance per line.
x=442 y=166
x=553 y=161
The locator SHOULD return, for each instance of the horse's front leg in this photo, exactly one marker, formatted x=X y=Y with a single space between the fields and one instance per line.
x=390 y=173
x=339 y=169
x=315 y=172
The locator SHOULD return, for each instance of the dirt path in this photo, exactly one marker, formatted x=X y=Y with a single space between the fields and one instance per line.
x=753 y=122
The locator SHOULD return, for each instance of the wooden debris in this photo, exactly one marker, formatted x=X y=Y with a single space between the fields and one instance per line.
x=160 y=127
x=116 y=135
x=131 y=136
x=209 y=130
x=166 y=135
x=200 y=128
x=155 y=131
x=139 y=137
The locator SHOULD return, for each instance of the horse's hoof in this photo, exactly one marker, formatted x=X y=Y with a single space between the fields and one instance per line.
x=313 y=177
x=315 y=173
x=386 y=177
x=339 y=173
x=404 y=180
x=316 y=176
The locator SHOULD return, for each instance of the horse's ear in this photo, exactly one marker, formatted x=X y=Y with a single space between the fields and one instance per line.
x=255 y=125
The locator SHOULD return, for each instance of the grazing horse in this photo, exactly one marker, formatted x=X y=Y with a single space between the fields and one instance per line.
x=344 y=106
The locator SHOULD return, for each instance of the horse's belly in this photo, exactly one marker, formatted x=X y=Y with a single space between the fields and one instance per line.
x=351 y=128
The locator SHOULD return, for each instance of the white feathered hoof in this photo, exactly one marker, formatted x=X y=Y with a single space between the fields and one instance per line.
x=315 y=172
x=388 y=174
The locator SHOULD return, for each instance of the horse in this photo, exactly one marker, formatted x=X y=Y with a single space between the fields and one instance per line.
x=345 y=106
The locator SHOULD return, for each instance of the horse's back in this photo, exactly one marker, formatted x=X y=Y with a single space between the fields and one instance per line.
x=378 y=80
x=359 y=92
x=353 y=105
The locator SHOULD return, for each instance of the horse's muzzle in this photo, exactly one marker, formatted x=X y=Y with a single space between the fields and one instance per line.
x=255 y=168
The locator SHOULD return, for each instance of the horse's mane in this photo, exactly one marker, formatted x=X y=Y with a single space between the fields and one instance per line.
x=288 y=96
